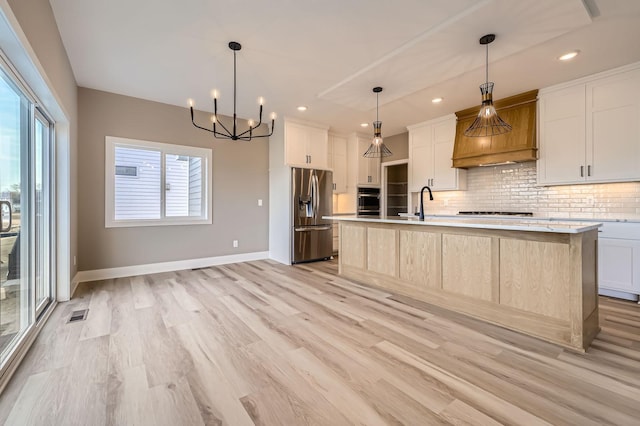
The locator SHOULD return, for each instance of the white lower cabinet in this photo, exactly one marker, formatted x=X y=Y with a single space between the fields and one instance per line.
x=619 y=260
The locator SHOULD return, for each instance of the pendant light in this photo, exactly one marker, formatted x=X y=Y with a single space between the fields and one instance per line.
x=377 y=148
x=488 y=122
x=234 y=134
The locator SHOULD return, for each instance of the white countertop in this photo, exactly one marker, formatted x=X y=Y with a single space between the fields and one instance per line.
x=534 y=217
x=510 y=224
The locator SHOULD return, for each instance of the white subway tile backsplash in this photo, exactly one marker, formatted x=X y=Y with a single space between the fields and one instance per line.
x=513 y=187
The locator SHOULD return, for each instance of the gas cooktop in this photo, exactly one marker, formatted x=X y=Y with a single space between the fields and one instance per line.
x=485 y=213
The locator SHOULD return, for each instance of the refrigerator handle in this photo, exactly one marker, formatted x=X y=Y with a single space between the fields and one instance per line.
x=315 y=195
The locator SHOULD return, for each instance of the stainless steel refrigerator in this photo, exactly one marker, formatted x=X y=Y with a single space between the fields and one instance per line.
x=312 y=235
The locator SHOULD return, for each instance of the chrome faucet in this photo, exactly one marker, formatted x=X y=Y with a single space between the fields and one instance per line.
x=421 y=202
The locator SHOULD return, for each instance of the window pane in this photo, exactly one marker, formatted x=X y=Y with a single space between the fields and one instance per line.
x=137 y=196
x=183 y=185
x=16 y=287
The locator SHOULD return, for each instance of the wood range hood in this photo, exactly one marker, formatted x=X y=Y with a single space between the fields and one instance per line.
x=517 y=146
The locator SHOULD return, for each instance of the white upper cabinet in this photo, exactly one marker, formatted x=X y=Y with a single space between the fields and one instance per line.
x=613 y=127
x=306 y=145
x=338 y=157
x=367 y=170
x=562 y=148
x=590 y=129
x=430 y=151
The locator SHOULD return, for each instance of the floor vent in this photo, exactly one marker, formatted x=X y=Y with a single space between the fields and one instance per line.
x=80 y=315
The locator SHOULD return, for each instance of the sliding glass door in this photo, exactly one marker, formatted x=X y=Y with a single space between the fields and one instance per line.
x=41 y=193
x=15 y=303
x=26 y=201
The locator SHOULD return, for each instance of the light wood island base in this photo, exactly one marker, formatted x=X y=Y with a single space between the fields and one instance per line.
x=542 y=284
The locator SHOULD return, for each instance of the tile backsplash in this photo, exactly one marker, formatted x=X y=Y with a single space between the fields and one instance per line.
x=512 y=187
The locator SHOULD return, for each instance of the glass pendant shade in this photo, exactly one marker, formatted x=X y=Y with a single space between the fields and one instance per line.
x=487 y=122
x=377 y=149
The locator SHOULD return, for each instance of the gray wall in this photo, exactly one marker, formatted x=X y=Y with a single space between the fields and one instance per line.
x=240 y=178
x=38 y=23
x=399 y=146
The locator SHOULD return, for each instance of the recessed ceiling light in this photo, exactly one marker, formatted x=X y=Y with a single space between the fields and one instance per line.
x=302 y=108
x=437 y=100
x=364 y=124
x=568 y=56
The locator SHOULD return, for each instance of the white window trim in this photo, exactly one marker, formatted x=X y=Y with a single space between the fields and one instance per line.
x=109 y=208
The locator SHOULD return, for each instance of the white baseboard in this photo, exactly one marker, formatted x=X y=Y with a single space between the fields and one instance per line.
x=74 y=286
x=618 y=294
x=154 y=268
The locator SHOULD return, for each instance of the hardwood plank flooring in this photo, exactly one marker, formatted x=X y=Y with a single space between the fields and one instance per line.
x=268 y=344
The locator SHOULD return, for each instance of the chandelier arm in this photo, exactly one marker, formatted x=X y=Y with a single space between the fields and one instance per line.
x=199 y=127
x=256 y=137
x=223 y=126
x=223 y=135
x=255 y=127
x=267 y=135
x=250 y=129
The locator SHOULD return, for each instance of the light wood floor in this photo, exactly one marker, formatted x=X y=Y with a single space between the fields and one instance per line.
x=269 y=344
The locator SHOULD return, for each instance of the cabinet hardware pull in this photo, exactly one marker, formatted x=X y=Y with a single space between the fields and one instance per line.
x=581 y=171
x=589 y=170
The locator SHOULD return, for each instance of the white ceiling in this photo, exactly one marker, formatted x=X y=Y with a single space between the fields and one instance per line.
x=329 y=54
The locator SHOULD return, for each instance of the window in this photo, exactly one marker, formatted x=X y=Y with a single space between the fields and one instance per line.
x=151 y=183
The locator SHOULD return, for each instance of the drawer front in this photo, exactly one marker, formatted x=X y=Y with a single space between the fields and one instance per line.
x=620 y=230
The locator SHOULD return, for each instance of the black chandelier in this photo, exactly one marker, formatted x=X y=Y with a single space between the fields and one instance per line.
x=246 y=135
x=487 y=122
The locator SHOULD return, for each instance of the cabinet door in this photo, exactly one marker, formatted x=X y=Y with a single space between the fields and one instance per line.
x=444 y=176
x=619 y=264
x=613 y=128
x=339 y=163
x=317 y=148
x=368 y=168
x=562 y=136
x=374 y=170
x=296 y=140
x=420 y=157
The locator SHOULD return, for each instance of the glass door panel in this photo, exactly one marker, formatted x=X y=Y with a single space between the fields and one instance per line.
x=42 y=211
x=16 y=301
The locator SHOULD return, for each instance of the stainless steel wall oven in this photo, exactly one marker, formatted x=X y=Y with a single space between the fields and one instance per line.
x=368 y=202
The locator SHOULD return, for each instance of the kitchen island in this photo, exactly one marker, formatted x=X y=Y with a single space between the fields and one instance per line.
x=532 y=276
